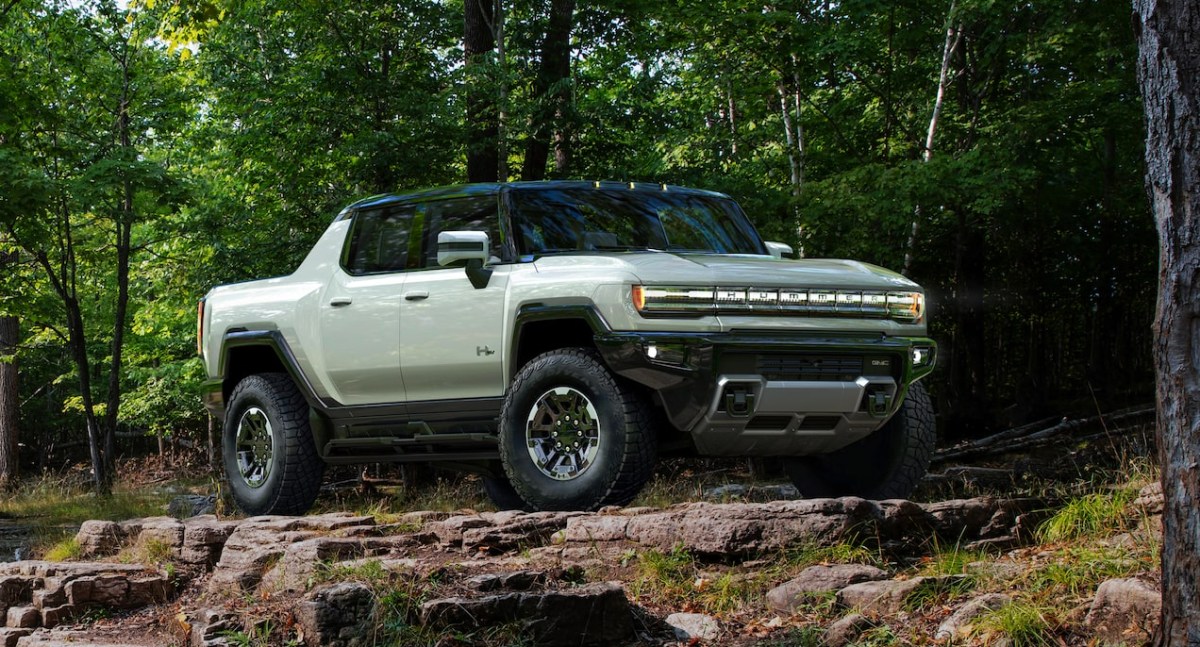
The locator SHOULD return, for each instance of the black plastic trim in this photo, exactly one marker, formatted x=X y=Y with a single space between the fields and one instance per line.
x=686 y=384
x=532 y=312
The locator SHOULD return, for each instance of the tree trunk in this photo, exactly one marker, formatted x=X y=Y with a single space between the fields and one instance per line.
x=953 y=35
x=10 y=336
x=550 y=91
x=482 y=117
x=124 y=245
x=1169 y=75
x=789 y=133
x=502 y=109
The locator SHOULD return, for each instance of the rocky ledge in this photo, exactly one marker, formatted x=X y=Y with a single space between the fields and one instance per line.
x=526 y=572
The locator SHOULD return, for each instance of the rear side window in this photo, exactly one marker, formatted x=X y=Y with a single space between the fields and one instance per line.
x=379 y=240
x=475 y=213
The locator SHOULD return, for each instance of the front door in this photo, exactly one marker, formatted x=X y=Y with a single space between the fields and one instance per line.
x=452 y=334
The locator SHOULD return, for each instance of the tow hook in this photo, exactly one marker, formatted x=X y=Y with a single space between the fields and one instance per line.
x=739 y=402
x=879 y=403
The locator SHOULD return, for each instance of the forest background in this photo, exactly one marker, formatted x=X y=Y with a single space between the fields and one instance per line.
x=991 y=149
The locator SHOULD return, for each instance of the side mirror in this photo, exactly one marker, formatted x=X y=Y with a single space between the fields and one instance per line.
x=455 y=247
x=780 y=250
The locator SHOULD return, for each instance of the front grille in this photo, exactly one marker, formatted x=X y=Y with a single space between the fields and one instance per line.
x=810 y=368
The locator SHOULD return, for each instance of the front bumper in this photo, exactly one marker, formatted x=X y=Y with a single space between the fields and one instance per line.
x=745 y=394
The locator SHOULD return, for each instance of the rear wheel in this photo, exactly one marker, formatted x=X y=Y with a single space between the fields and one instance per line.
x=270 y=459
x=573 y=437
x=888 y=464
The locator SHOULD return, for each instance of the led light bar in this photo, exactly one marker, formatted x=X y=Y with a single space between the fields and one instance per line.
x=906 y=307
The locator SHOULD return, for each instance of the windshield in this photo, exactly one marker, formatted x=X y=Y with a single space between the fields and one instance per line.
x=589 y=219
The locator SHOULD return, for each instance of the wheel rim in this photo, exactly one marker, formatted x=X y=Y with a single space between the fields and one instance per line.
x=563 y=433
x=254 y=447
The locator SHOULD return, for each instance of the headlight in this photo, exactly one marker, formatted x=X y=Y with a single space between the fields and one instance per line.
x=907 y=307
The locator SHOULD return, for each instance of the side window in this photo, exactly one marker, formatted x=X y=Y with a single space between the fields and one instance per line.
x=475 y=213
x=379 y=240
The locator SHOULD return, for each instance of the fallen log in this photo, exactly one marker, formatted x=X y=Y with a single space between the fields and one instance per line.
x=1033 y=435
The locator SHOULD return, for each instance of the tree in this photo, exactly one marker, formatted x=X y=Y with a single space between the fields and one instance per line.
x=552 y=96
x=95 y=154
x=1168 y=63
x=10 y=400
x=483 y=116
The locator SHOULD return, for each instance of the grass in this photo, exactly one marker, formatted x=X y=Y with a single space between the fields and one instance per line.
x=55 y=507
x=1024 y=624
x=1089 y=515
x=388 y=503
x=64 y=550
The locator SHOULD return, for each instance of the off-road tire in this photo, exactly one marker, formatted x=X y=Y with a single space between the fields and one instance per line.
x=888 y=464
x=294 y=479
x=627 y=447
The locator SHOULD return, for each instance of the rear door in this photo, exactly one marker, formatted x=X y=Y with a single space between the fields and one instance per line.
x=451 y=334
x=359 y=315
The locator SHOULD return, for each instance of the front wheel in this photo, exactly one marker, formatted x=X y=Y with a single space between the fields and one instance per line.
x=888 y=464
x=572 y=437
x=270 y=458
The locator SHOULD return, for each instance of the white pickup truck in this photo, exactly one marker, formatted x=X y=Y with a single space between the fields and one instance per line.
x=557 y=338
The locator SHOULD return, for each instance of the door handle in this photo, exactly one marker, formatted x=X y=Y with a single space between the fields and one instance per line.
x=339 y=302
x=416 y=295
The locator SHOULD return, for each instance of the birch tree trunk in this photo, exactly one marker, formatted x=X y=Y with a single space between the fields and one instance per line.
x=1169 y=75
x=953 y=35
x=502 y=112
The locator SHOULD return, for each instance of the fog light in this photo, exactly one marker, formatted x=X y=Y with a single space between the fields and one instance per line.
x=670 y=354
x=921 y=356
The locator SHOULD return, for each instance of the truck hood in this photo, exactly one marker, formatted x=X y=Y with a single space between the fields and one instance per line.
x=665 y=268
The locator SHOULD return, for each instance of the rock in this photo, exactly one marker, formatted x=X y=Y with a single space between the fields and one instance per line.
x=885 y=597
x=816 y=580
x=958 y=626
x=450 y=530
x=1004 y=571
x=694 y=626
x=163 y=531
x=258 y=543
x=1150 y=499
x=734 y=529
x=515 y=581
x=192 y=505
x=203 y=539
x=847 y=630
x=1124 y=611
x=60 y=591
x=338 y=615
x=23 y=617
x=510 y=529
x=209 y=628
x=81 y=638
x=15 y=590
x=99 y=538
x=10 y=636
x=593 y=615
x=771 y=492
